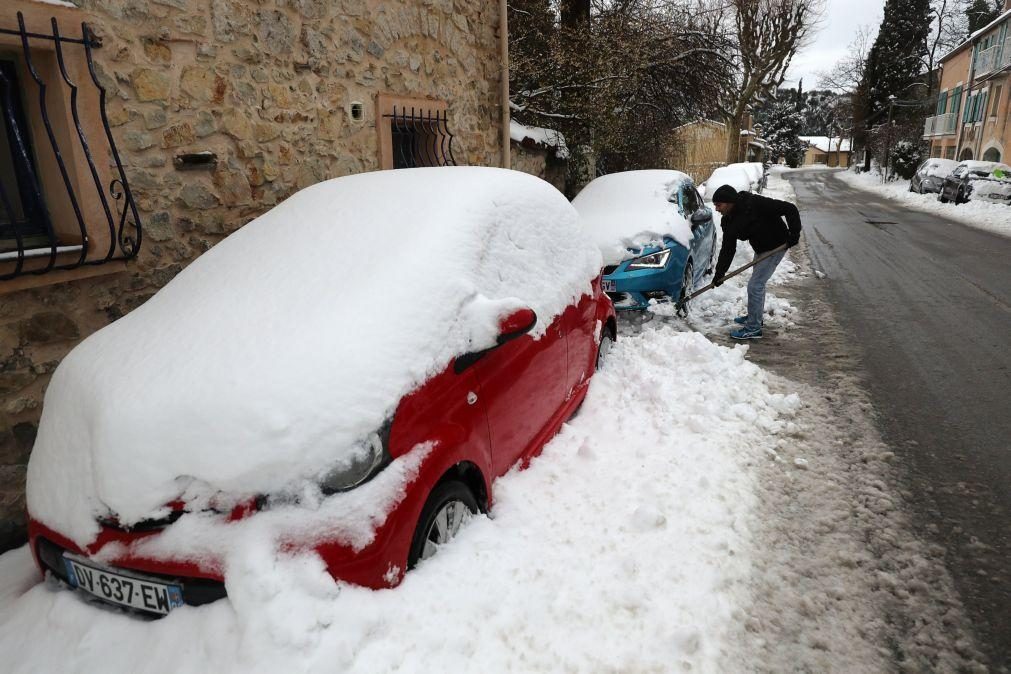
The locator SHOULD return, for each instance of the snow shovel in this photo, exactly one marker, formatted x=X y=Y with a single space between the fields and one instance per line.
x=681 y=308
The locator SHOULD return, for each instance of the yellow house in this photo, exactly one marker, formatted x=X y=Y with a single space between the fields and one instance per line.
x=971 y=120
x=831 y=151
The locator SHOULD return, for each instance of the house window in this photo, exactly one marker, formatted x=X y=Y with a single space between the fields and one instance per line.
x=997 y=90
x=22 y=212
x=65 y=203
x=949 y=152
x=956 y=99
x=413 y=132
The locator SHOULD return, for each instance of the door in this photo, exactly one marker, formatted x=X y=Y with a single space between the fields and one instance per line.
x=523 y=385
x=581 y=339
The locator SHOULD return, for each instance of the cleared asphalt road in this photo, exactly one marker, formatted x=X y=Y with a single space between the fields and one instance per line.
x=929 y=302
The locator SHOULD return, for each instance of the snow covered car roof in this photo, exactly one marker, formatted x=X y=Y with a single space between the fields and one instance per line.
x=631 y=209
x=738 y=176
x=260 y=365
x=938 y=167
x=983 y=167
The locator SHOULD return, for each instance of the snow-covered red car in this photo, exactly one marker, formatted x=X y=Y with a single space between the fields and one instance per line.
x=348 y=373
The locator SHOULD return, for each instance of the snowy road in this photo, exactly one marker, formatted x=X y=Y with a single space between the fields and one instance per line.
x=929 y=301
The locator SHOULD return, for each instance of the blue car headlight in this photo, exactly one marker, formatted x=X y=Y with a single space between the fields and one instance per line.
x=657 y=260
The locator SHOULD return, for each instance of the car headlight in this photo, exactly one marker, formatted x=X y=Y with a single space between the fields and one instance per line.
x=368 y=457
x=656 y=260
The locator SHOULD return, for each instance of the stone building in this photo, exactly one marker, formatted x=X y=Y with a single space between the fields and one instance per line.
x=219 y=109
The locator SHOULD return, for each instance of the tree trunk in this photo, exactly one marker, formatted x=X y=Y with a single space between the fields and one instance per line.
x=733 y=154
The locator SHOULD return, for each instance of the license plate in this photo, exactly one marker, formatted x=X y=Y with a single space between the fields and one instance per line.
x=122 y=589
x=608 y=286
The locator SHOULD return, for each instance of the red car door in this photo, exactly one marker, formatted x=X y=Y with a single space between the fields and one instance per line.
x=523 y=386
x=580 y=335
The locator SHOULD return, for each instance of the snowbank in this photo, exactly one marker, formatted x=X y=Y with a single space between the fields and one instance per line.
x=624 y=547
x=981 y=214
x=263 y=364
x=632 y=209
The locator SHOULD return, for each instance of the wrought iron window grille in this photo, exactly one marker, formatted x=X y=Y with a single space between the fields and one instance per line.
x=421 y=138
x=27 y=227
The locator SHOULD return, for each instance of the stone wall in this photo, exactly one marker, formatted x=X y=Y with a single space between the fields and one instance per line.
x=267 y=86
x=539 y=162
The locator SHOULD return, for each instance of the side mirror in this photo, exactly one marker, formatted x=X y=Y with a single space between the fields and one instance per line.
x=516 y=324
x=701 y=217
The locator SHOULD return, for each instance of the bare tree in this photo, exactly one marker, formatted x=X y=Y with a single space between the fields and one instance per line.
x=845 y=76
x=619 y=79
x=769 y=33
x=947 y=32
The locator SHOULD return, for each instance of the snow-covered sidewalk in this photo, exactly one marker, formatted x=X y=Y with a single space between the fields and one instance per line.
x=989 y=216
x=624 y=547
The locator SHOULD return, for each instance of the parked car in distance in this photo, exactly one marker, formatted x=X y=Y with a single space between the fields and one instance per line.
x=929 y=176
x=743 y=177
x=346 y=374
x=656 y=235
x=958 y=185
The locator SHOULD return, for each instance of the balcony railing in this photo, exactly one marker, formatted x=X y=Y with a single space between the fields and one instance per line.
x=940 y=125
x=994 y=58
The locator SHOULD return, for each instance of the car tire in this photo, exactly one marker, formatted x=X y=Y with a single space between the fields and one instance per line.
x=606 y=342
x=960 y=198
x=712 y=256
x=940 y=197
x=687 y=286
x=448 y=507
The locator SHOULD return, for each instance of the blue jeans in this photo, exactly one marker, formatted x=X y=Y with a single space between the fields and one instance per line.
x=760 y=275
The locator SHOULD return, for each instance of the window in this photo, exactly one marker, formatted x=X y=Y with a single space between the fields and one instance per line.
x=22 y=213
x=949 y=152
x=997 y=90
x=942 y=102
x=689 y=199
x=956 y=99
x=981 y=106
x=65 y=203
x=992 y=154
x=413 y=132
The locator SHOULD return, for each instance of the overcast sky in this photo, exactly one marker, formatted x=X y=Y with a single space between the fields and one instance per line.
x=837 y=28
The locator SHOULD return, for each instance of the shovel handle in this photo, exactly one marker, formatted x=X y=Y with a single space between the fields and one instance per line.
x=737 y=271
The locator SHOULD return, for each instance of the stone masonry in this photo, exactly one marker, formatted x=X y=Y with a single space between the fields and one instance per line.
x=266 y=85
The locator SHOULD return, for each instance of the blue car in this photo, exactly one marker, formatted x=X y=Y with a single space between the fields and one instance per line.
x=657 y=237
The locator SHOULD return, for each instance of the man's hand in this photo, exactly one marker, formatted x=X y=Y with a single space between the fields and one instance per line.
x=717 y=281
x=792 y=240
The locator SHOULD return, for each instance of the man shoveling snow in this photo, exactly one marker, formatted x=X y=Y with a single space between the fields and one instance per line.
x=759 y=221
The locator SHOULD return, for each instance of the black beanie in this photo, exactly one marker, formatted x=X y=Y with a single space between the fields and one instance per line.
x=725 y=195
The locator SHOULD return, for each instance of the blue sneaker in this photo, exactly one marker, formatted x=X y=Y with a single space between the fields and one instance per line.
x=747 y=333
x=741 y=320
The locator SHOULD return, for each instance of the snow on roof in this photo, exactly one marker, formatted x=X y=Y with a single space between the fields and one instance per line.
x=543 y=138
x=822 y=143
x=631 y=209
x=259 y=367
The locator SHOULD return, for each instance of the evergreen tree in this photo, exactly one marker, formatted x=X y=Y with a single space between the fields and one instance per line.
x=980 y=13
x=783 y=130
x=895 y=62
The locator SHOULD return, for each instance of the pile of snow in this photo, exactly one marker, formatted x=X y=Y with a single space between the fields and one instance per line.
x=992 y=217
x=262 y=364
x=997 y=191
x=743 y=177
x=632 y=209
x=624 y=547
x=548 y=139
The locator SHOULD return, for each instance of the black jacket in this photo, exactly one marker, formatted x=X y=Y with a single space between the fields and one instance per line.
x=759 y=221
